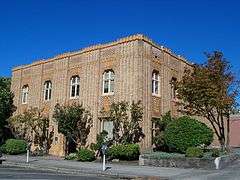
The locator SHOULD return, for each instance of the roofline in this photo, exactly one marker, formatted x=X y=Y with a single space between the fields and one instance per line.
x=102 y=46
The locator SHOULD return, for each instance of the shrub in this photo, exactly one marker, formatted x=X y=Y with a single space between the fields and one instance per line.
x=85 y=154
x=194 y=152
x=124 y=152
x=215 y=152
x=186 y=132
x=71 y=156
x=14 y=146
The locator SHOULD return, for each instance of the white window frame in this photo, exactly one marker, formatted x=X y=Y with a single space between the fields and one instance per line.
x=47 y=92
x=109 y=80
x=155 y=80
x=25 y=92
x=75 y=82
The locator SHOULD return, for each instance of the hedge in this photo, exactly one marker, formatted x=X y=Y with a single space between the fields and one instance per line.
x=124 y=152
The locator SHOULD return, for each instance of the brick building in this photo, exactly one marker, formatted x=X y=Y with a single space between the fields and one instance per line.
x=131 y=68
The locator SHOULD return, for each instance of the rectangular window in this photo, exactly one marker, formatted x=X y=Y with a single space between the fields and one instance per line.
x=108 y=126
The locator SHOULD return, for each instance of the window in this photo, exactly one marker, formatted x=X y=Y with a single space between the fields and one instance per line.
x=25 y=94
x=108 y=82
x=74 y=87
x=108 y=127
x=173 y=87
x=155 y=83
x=47 y=90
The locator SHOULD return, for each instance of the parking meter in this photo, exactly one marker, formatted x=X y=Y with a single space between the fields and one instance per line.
x=104 y=150
x=28 y=150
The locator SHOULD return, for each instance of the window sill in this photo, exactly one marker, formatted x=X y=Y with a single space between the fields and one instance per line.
x=73 y=98
x=156 y=95
x=107 y=94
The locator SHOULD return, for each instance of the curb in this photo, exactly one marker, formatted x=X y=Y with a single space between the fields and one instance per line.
x=79 y=171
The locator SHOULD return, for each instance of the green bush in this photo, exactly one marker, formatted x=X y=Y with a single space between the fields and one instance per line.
x=186 y=132
x=124 y=152
x=85 y=154
x=14 y=146
x=215 y=152
x=194 y=152
x=71 y=156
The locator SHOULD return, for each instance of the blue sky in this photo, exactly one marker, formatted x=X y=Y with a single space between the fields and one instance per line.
x=31 y=30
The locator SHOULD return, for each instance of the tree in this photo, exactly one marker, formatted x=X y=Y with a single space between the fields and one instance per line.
x=32 y=125
x=209 y=90
x=6 y=105
x=74 y=122
x=160 y=127
x=126 y=121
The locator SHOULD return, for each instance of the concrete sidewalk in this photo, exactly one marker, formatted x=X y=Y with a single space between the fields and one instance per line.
x=117 y=170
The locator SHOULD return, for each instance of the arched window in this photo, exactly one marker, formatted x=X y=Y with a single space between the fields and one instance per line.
x=155 y=83
x=25 y=90
x=173 y=87
x=108 y=82
x=47 y=90
x=74 y=86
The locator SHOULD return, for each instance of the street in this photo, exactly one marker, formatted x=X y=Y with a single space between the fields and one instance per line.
x=7 y=172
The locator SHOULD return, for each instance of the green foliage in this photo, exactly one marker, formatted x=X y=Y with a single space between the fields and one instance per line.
x=126 y=128
x=84 y=154
x=210 y=90
x=74 y=121
x=194 y=152
x=164 y=155
x=124 y=152
x=6 y=105
x=35 y=122
x=71 y=156
x=186 y=132
x=14 y=146
x=215 y=152
x=160 y=126
x=101 y=139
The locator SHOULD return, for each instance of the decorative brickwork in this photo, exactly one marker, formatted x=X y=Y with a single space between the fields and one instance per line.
x=132 y=59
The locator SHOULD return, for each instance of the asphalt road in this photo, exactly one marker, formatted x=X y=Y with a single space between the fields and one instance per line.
x=9 y=173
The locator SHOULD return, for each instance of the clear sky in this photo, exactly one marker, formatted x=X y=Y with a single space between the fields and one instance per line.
x=31 y=29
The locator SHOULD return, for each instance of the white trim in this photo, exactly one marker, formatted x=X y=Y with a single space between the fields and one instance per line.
x=155 y=79
x=110 y=77
x=25 y=92
x=47 y=89
x=75 y=84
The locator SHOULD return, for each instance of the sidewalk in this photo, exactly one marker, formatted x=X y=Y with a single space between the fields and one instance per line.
x=117 y=170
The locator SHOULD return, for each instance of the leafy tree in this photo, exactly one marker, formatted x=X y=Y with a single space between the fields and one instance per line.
x=209 y=90
x=126 y=121
x=160 y=127
x=74 y=121
x=32 y=125
x=6 y=105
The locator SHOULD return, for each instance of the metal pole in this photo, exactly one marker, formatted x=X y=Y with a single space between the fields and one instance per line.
x=104 y=162
x=27 y=155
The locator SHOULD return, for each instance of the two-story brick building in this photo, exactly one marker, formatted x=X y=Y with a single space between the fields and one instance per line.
x=131 y=68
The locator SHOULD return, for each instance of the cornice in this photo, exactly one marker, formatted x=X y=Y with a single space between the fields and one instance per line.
x=103 y=46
